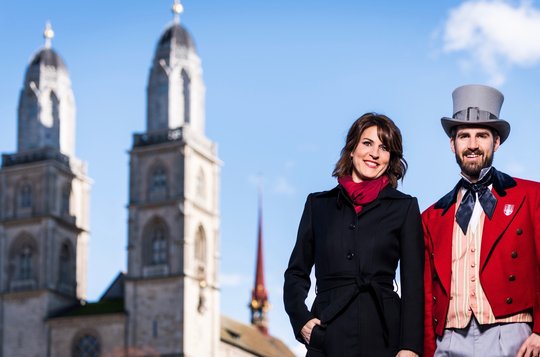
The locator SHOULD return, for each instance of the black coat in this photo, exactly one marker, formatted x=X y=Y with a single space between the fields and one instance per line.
x=355 y=258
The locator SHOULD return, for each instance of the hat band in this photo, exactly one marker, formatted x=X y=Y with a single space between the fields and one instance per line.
x=474 y=114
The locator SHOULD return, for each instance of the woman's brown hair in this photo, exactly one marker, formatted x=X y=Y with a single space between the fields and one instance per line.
x=389 y=135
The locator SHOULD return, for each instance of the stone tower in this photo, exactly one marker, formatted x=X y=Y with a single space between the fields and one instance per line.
x=44 y=193
x=171 y=291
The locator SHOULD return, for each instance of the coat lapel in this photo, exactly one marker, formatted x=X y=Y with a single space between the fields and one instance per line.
x=441 y=234
x=505 y=211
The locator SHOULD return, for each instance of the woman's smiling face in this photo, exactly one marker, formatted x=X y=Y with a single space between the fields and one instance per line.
x=370 y=157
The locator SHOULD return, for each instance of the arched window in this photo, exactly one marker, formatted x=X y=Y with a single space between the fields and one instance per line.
x=158 y=97
x=159 y=245
x=158 y=186
x=186 y=84
x=65 y=268
x=23 y=260
x=156 y=248
x=24 y=263
x=86 y=345
x=55 y=109
x=54 y=136
x=25 y=196
x=201 y=184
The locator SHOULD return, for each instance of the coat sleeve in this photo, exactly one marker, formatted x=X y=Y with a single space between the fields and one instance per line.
x=297 y=280
x=412 y=283
x=429 y=333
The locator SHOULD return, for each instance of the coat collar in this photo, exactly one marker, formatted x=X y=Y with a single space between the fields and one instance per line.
x=501 y=182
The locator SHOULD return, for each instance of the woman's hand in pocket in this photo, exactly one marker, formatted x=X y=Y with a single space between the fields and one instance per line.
x=308 y=327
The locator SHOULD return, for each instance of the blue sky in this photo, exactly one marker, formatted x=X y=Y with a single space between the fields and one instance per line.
x=284 y=79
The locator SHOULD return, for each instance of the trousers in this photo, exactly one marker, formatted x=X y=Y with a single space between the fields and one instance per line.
x=494 y=340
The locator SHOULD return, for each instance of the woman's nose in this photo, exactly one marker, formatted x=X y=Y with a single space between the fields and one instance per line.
x=374 y=153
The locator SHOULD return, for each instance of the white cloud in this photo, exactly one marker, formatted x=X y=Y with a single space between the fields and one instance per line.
x=495 y=34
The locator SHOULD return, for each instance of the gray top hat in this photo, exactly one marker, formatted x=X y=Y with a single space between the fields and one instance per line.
x=477 y=105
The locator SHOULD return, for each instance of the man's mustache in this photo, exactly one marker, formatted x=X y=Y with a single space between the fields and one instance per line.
x=473 y=152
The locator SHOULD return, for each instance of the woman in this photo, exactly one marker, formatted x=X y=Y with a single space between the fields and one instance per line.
x=355 y=234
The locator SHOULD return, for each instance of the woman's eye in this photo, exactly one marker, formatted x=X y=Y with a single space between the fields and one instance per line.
x=384 y=148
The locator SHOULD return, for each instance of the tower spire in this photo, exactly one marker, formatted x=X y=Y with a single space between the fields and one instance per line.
x=259 y=296
x=177 y=9
x=48 y=34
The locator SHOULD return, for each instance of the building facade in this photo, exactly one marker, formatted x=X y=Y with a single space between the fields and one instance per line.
x=167 y=302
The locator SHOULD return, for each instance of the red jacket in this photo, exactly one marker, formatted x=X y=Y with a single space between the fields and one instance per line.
x=509 y=257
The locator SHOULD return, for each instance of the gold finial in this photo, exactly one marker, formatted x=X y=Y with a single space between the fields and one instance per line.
x=48 y=34
x=177 y=9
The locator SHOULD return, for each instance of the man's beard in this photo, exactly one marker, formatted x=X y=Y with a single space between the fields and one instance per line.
x=470 y=169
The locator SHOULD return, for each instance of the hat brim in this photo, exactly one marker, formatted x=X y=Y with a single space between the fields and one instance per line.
x=502 y=126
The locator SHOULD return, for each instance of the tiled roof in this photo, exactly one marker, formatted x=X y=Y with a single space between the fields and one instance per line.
x=250 y=339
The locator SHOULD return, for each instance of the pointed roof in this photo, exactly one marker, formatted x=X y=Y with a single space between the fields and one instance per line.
x=259 y=296
x=46 y=56
x=175 y=35
x=259 y=290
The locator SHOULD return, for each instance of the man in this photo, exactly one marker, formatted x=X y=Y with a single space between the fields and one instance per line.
x=482 y=239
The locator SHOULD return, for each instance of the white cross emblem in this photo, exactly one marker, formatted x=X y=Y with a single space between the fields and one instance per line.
x=508 y=209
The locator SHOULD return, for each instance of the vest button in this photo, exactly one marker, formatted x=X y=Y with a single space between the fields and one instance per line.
x=350 y=256
x=519 y=231
x=514 y=254
x=352 y=226
x=508 y=300
x=511 y=277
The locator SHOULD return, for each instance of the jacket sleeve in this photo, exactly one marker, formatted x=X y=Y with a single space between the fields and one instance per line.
x=429 y=333
x=412 y=283
x=297 y=280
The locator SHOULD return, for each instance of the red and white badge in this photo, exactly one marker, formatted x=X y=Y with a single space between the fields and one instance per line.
x=508 y=209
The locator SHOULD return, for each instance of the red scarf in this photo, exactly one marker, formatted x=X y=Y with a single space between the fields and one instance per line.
x=362 y=193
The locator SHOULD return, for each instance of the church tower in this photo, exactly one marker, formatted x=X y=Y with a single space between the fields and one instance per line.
x=44 y=218
x=259 y=296
x=171 y=291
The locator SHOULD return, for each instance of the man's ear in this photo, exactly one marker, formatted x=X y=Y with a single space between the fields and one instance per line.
x=497 y=143
x=452 y=145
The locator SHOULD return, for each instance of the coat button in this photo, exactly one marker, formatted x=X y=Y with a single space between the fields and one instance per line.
x=514 y=254
x=352 y=226
x=434 y=298
x=511 y=277
x=519 y=231
x=508 y=300
x=435 y=321
x=350 y=256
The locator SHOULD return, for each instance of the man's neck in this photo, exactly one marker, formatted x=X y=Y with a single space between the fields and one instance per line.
x=483 y=173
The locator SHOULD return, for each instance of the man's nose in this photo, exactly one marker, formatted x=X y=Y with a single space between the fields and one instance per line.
x=473 y=143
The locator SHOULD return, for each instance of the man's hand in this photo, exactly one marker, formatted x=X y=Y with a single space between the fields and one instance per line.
x=308 y=327
x=531 y=346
